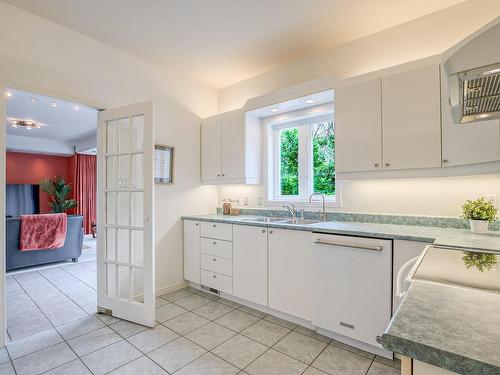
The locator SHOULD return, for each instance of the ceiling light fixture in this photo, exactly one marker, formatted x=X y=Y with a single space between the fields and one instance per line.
x=76 y=108
x=8 y=94
x=33 y=99
x=23 y=124
x=310 y=101
x=274 y=109
x=53 y=104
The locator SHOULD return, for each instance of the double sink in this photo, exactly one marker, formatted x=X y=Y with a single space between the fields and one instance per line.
x=282 y=220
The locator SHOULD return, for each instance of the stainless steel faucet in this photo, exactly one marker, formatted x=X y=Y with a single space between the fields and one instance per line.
x=323 y=214
x=291 y=209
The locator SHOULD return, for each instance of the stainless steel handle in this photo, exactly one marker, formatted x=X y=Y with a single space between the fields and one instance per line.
x=270 y=232
x=214 y=225
x=387 y=164
x=214 y=259
x=214 y=276
x=214 y=243
x=223 y=175
x=218 y=175
x=263 y=231
x=338 y=244
x=196 y=224
x=347 y=325
x=375 y=165
x=445 y=160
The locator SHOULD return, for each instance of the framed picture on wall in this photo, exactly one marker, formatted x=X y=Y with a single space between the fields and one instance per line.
x=164 y=164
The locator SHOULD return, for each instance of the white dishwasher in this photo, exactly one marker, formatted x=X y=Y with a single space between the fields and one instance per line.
x=352 y=288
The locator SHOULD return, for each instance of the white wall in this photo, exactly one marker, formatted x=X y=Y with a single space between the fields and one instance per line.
x=424 y=37
x=37 y=55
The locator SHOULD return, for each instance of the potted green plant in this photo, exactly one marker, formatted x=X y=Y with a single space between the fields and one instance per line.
x=480 y=212
x=58 y=190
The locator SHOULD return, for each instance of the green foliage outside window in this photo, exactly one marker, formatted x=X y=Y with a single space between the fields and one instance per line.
x=324 y=158
x=289 y=166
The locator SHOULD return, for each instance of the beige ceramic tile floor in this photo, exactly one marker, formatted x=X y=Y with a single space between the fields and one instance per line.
x=196 y=334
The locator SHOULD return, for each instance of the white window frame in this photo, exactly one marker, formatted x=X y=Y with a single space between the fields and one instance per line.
x=305 y=159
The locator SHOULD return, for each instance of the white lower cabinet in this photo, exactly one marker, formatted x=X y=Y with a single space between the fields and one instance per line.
x=217 y=281
x=192 y=251
x=351 y=286
x=290 y=272
x=250 y=263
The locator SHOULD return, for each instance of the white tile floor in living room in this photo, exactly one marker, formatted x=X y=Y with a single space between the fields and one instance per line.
x=54 y=329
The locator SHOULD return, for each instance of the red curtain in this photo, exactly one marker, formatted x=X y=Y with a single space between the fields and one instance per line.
x=85 y=189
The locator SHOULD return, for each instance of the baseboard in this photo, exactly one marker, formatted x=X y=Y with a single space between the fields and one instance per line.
x=171 y=288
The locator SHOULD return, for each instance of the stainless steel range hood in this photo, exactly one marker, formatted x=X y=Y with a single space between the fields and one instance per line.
x=475 y=94
x=473 y=72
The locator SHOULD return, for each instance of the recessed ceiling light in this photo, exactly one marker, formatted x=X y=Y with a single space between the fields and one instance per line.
x=310 y=101
x=8 y=94
x=33 y=99
x=76 y=108
x=274 y=109
x=483 y=115
x=53 y=104
x=492 y=71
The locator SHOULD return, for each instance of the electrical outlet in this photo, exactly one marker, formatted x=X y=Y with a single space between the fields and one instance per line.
x=493 y=198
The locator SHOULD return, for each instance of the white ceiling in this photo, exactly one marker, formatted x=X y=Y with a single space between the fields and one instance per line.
x=67 y=122
x=221 y=42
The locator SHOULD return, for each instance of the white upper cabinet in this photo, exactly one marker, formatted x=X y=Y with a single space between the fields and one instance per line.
x=411 y=119
x=211 y=148
x=469 y=143
x=231 y=149
x=358 y=127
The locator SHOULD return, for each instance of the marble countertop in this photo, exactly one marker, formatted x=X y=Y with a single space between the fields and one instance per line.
x=459 y=238
x=447 y=326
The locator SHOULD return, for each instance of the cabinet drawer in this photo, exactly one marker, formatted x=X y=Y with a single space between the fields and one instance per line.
x=217 y=264
x=217 y=281
x=217 y=247
x=217 y=230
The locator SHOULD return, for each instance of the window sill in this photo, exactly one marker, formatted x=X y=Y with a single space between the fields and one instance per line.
x=305 y=204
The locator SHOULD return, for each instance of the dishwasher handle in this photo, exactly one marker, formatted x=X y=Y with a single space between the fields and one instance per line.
x=353 y=246
x=403 y=281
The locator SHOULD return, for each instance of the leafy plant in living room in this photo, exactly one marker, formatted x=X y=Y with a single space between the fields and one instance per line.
x=479 y=212
x=58 y=190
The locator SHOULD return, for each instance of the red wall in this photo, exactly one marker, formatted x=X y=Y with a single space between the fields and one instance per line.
x=24 y=168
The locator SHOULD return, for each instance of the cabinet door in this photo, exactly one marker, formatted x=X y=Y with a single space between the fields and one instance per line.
x=210 y=148
x=289 y=272
x=233 y=145
x=250 y=263
x=192 y=251
x=351 y=284
x=403 y=252
x=358 y=127
x=470 y=143
x=411 y=119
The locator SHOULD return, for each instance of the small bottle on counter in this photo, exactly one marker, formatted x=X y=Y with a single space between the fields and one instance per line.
x=226 y=208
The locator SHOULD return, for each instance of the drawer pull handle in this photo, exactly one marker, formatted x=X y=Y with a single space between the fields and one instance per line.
x=347 y=325
x=214 y=225
x=196 y=224
x=363 y=247
x=214 y=243
x=263 y=231
x=214 y=276
x=214 y=259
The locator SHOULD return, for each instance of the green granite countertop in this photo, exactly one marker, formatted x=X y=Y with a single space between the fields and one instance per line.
x=460 y=238
x=447 y=326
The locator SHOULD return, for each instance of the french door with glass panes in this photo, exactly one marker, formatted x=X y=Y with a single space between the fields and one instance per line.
x=125 y=219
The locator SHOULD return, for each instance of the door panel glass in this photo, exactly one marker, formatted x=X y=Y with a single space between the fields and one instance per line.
x=137 y=133
x=110 y=244
x=124 y=281
x=123 y=171
x=110 y=208
x=138 y=280
x=123 y=246
x=111 y=287
x=137 y=247
x=137 y=209
x=123 y=134
x=110 y=172
x=123 y=208
x=111 y=139
x=137 y=173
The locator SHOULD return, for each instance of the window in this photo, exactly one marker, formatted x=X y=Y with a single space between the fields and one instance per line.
x=303 y=159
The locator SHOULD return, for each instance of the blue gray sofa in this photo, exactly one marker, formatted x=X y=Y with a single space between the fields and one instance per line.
x=16 y=258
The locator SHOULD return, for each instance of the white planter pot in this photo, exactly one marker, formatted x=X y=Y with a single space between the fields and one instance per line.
x=479 y=226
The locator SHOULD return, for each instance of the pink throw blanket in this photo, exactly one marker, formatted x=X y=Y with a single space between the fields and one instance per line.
x=43 y=232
